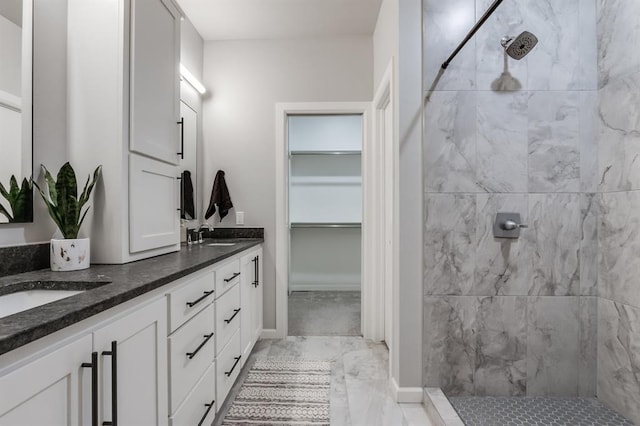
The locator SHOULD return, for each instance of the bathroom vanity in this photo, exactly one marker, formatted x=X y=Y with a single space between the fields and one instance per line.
x=155 y=342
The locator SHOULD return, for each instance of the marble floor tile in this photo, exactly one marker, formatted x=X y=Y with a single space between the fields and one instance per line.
x=360 y=392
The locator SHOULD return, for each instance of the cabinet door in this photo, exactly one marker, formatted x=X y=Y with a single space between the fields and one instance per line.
x=155 y=79
x=247 y=282
x=258 y=290
x=153 y=204
x=48 y=391
x=137 y=343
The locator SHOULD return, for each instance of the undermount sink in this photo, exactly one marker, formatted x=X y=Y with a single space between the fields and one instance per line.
x=221 y=244
x=22 y=296
x=22 y=300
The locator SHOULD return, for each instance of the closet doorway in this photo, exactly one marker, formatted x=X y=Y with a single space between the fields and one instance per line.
x=325 y=220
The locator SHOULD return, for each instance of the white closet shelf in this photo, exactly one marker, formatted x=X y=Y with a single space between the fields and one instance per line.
x=325 y=152
x=325 y=225
x=326 y=180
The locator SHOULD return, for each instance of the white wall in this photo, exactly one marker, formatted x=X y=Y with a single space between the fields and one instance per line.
x=49 y=112
x=398 y=35
x=246 y=79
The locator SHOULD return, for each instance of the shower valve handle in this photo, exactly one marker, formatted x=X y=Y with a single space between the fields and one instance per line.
x=510 y=225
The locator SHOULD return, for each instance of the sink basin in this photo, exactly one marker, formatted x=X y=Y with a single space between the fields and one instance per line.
x=22 y=300
x=221 y=244
x=21 y=296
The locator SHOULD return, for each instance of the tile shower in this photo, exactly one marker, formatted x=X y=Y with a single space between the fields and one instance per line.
x=557 y=311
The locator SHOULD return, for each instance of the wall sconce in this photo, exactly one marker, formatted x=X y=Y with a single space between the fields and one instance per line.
x=184 y=73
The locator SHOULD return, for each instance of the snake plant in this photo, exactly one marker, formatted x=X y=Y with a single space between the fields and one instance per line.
x=63 y=203
x=20 y=200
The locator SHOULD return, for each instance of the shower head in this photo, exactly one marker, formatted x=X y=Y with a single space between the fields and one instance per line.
x=520 y=46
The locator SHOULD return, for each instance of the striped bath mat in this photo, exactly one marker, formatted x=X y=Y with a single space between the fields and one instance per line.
x=283 y=392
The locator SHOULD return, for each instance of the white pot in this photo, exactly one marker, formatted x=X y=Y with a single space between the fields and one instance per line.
x=70 y=255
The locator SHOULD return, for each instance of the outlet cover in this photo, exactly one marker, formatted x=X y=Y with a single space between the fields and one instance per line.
x=239 y=218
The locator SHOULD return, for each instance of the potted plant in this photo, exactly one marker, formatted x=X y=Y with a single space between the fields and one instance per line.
x=65 y=208
x=20 y=199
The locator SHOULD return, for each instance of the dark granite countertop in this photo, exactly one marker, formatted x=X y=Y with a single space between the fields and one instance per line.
x=115 y=284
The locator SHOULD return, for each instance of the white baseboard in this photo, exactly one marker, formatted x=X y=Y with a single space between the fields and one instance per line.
x=325 y=287
x=269 y=333
x=413 y=395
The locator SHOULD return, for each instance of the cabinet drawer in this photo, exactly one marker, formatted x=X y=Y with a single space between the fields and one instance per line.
x=191 y=351
x=228 y=367
x=227 y=276
x=190 y=299
x=193 y=411
x=227 y=316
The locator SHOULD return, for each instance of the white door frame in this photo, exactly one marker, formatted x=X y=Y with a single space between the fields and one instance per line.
x=378 y=257
x=282 y=202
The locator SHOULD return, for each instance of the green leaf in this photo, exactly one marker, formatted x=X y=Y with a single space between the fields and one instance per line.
x=51 y=184
x=4 y=192
x=67 y=200
x=23 y=204
x=53 y=209
x=63 y=203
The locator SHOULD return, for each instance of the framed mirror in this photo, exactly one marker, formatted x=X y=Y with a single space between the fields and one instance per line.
x=16 y=146
x=188 y=162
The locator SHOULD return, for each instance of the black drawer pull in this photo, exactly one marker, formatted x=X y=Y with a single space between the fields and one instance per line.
x=226 y=280
x=195 y=302
x=207 y=337
x=94 y=386
x=235 y=312
x=228 y=373
x=206 y=413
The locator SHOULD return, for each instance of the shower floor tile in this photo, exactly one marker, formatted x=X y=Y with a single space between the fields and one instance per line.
x=535 y=411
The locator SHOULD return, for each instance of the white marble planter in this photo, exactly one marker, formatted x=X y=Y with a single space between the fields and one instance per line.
x=70 y=255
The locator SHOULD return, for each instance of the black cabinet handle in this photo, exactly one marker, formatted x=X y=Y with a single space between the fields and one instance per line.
x=206 y=413
x=235 y=312
x=93 y=365
x=226 y=280
x=207 y=337
x=114 y=383
x=181 y=124
x=228 y=373
x=195 y=302
x=256 y=271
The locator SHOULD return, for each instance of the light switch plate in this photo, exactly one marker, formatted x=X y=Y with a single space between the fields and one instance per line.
x=239 y=218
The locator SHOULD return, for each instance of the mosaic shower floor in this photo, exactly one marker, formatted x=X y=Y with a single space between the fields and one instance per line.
x=535 y=411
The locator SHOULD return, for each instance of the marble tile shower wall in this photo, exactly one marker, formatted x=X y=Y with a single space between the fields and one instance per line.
x=511 y=317
x=618 y=29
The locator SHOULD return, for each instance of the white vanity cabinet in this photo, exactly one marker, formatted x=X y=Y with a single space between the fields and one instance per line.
x=133 y=379
x=192 y=398
x=49 y=389
x=127 y=354
x=123 y=108
x=251 y=297
x=168 y=357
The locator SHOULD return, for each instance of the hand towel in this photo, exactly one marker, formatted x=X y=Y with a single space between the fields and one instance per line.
x=188 y=205
x=220 y=197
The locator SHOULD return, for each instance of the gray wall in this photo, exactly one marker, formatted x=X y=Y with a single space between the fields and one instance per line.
x=246 y=79
x=619 y=223
x=510 y=317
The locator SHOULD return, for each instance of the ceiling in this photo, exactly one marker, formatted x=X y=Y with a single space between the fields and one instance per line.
x=279 y=19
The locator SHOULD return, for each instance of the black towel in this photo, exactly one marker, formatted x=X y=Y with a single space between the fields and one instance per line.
x=220 y=196
x=188 y=205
